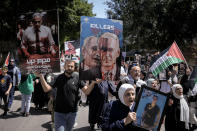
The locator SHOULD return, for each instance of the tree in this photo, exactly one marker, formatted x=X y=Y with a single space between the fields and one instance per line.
x=156 y=23
x=7 y=19
x=69 y=18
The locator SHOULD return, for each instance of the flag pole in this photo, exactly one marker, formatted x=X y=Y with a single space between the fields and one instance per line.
x=7 y=59
x=182 y=55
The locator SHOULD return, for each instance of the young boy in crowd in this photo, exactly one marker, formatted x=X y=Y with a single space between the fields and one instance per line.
x=5 y=87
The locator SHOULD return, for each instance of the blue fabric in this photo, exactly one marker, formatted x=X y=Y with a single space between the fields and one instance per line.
x=97 y=98
x=64 y=121
x=113 y=116
x=14 y=72
x=11 y=96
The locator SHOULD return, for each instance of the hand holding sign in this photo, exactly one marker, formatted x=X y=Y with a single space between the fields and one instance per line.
x=130 y=117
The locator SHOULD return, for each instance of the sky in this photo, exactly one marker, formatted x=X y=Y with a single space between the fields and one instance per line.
x=99 y=8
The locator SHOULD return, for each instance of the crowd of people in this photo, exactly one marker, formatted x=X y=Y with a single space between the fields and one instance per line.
x=117 y=114
x=11 y=80
x=99 y=74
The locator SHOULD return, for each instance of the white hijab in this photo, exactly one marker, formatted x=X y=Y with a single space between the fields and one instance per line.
x=122 y=90
x=149 y=82
x=184 y=114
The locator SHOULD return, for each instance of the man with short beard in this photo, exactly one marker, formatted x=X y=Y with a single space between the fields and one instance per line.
x=134 y=78
x=134 y=74
x=67 y=96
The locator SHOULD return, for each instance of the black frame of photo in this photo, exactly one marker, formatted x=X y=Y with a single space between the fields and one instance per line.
x=162 y=112
x=162 y=78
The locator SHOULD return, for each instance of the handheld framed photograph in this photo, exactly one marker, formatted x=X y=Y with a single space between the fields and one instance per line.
x=150 y=108
x=162 y=75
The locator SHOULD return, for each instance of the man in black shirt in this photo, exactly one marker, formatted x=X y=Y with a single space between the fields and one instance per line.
x=67 y=97
x=5 y=87
x=151 y=114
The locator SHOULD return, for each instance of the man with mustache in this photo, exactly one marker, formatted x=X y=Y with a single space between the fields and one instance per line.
x=134 y=78
x=134 y=74
x=109 y=53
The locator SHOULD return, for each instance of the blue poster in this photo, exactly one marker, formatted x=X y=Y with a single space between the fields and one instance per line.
x=101 y=41
x=150 y=109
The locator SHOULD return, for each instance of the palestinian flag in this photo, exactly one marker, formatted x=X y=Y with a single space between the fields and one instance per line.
x=169 y=56
x=7 y=59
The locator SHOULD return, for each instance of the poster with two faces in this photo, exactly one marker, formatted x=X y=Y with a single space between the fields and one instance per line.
x=101 y=41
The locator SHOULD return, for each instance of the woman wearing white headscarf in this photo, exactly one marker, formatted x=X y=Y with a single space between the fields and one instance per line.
x=118 y=114
x=177 y=113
